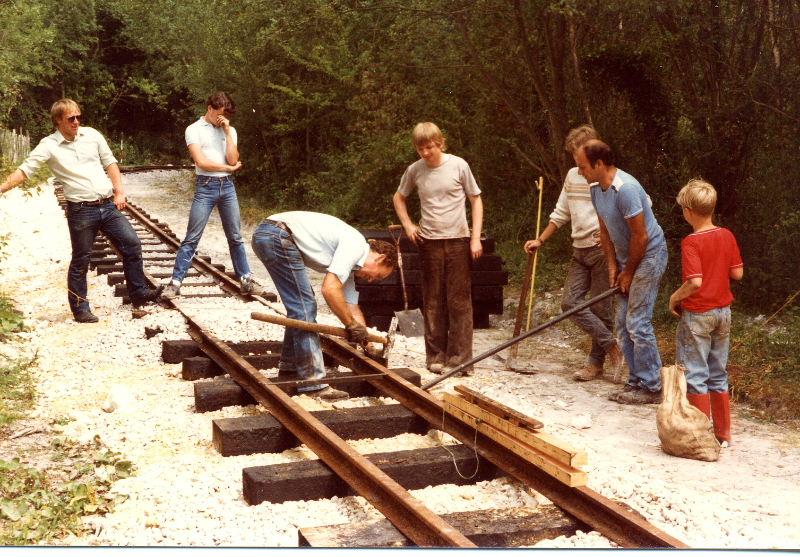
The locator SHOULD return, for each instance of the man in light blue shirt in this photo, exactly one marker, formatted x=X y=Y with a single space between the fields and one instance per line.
x=636 y=253
x=287 y=244
x=84 y=166
x=212 y=143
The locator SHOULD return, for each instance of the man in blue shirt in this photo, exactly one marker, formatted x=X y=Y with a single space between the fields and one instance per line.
x=636 y=252
x=287 y=244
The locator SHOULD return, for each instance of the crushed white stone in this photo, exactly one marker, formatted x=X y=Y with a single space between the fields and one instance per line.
x=185 y=494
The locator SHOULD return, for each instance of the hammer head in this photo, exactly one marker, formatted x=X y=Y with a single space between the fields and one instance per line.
x=382 y=356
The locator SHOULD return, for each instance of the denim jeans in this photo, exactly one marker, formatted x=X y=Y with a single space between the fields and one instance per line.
x=588 y=274
x=635 y=331
x=702 y=342
x=84 y=222
x=211 y=191
x=301 y=350
x=447 y=301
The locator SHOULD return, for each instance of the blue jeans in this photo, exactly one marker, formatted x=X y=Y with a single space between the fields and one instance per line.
x=83 y=222
x=588 y=274
x=635 y=331
x=702 y=342
x=301 y=351
x=211 y=191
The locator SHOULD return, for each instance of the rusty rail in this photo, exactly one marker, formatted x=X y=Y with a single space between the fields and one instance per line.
x=619 y=523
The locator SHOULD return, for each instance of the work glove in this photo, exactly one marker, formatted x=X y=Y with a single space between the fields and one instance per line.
x=356 y=332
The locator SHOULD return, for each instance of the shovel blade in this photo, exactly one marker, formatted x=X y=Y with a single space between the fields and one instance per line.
x=410 y=323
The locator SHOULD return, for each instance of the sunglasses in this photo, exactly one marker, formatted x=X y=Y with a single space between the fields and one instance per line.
x=72 y=119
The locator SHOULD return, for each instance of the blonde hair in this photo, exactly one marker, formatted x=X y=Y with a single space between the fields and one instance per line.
x=699 y=196
x=578 y=137
x=428 y=131
x=60 y=107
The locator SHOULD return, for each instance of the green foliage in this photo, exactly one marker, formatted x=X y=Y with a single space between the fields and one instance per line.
x=39 y=506
x=764 y=363
x=10 y=319
x=17 y=390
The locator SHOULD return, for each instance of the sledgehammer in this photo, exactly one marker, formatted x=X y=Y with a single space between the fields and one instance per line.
x=387 y=341
x=523 y=336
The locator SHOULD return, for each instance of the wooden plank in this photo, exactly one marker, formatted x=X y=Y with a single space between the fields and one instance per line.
x=567 y=475
x=509 y=527
x=542 y=442
x=498 y=409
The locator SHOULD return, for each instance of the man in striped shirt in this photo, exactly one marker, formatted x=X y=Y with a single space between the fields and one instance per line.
x=588 y=273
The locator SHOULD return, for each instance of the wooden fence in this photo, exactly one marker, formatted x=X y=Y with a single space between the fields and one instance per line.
x=14 y=147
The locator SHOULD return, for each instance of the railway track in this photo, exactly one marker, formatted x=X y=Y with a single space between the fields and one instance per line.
x=365 y=476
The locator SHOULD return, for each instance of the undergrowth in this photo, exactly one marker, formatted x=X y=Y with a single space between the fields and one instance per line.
x=40 y=506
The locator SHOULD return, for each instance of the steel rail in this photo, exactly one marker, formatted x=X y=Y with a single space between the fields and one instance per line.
x=621 y=524
x=227 y=283
x=406 y=513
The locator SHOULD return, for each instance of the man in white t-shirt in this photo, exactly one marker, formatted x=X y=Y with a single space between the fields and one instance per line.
x=288 y=243
x=444 y=183
x=212 y=143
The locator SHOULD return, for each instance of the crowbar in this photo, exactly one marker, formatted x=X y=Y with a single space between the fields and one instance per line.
x=526 y=334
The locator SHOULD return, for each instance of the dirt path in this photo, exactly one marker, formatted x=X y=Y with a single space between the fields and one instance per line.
x=185 y=494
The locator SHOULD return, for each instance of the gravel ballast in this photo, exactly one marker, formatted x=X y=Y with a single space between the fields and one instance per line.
x=185 y=494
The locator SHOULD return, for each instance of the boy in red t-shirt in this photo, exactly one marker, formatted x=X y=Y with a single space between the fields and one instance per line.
x=710 y=258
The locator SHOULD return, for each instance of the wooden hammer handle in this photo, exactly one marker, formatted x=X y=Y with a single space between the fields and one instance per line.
x=313 y=327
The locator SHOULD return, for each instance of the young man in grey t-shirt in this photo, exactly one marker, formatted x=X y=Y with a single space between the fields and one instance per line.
x=443 y=182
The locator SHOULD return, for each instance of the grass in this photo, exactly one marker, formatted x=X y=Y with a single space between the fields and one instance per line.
x=45 y=502
x=40 y=506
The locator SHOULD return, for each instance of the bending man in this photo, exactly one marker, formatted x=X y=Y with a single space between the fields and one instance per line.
x=287 y=244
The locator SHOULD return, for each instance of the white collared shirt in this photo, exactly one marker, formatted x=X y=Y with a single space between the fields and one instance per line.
x=79 y=165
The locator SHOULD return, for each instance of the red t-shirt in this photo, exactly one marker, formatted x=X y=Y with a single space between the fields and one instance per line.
x=710 y=255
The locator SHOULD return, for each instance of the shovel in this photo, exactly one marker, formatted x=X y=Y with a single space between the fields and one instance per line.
x=410 y=322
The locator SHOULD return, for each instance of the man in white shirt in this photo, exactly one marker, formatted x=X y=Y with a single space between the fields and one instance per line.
x=212 y=143
x=287 y=244
x=83 y=164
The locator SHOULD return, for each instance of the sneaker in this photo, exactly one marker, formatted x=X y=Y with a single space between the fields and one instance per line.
x=640 y=396
x=436 y=368
x=627 y=388
x=150 y=295
x=171 y=291
x=588 y=373
x=328 y=394
x=86 y=316
x=247 y=285
x=724 y=444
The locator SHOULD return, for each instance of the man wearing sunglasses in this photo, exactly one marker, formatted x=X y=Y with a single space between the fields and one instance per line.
x=212 y=145
x=84 y=166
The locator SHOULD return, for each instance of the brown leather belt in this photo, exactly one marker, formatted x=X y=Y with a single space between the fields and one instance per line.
x=279 y=224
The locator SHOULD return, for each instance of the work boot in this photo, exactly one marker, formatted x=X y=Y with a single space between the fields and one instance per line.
x=149 y=295
x=86 y=316
x=721 y=416
x=591 y=371
x=328 y=394
x=701 y=402
x=627 y=388
x=171 y=291
x=246 y=285
x=640 y=396
x=436 y=368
